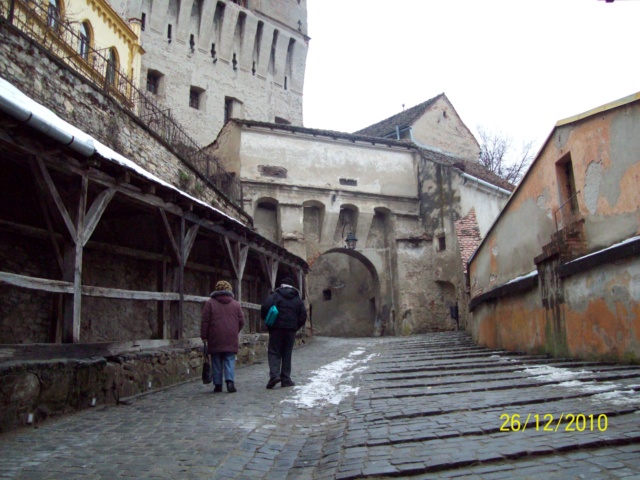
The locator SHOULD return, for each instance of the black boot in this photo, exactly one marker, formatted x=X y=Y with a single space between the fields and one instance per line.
x=217 y=388
x=231 y=388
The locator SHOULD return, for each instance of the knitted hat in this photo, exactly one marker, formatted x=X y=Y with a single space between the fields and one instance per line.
x=223 y=285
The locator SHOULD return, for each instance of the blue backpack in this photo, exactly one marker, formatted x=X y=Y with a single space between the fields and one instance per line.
x=270 y=319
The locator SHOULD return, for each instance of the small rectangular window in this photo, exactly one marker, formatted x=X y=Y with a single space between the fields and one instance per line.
x=194 y=98
x=326 y=294
x=349 y=181
x=442 y=243
x=153 y=82
x=232 y=108
x=169 y=33
x=143 y=21
x=228 y=109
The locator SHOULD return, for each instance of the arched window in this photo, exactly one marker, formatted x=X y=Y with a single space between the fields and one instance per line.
x=85 y=40
x=266 y=220
x=288 y=69
x=238 y=38
x=53 y=13
x=257 y=45
x=112 y=66
x=272 y=58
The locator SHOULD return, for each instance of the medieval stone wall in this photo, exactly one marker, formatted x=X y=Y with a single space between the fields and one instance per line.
x=52 y=84
x=25 y=316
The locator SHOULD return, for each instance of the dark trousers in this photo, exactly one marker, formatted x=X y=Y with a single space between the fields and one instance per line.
x=279 y=353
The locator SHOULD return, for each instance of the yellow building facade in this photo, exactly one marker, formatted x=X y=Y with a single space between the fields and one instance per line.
x=87 y=34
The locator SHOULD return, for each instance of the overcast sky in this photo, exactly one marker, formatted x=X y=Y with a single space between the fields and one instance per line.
x=515 y=66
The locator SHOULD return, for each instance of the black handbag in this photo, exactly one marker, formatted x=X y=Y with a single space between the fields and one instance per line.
x=206 y=369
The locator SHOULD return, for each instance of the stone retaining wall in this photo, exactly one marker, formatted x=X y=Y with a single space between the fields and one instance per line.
x=45 y=381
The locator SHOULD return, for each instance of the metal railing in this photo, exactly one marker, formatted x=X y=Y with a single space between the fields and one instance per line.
x=568 y=210
x=62 y=38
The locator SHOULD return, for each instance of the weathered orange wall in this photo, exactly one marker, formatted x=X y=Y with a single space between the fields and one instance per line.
x=513 y=323
x=600 y=318
x=600 y=314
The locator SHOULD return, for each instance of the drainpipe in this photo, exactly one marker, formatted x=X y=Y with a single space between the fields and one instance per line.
x=17 y=111
x=485 y=184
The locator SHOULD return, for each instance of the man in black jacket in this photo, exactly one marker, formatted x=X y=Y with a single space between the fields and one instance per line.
x=292 y=316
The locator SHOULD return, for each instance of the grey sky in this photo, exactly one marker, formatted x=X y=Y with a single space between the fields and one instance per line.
x=515 y=66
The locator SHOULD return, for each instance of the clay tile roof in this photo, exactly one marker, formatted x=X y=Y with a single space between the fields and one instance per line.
x=403 y=119
x=469 y=166
x=469 y=237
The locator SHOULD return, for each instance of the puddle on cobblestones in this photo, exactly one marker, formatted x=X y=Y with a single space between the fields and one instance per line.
x=330 y=384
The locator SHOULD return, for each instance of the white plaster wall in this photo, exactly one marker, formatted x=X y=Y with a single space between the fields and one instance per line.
x=263 y=97
x=487 y=203
x=316 y=162
x=288 y=12
x=604 y=153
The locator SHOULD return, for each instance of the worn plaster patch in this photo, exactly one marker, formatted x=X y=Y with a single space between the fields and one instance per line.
x=625 y=130
x=543 y=202
x=592 y=182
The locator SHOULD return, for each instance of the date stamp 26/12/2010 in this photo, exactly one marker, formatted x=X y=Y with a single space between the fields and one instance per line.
x=547 y=422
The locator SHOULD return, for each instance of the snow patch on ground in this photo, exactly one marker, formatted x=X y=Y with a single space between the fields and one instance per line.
x=330 y=384
x=611 y=392
x=546 y=373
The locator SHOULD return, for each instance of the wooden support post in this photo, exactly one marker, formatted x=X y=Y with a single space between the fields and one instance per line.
x=270 y=266
x=238 y=255
x=181 y=248
x=301 y=283
x=79 y=232
x=72 y=269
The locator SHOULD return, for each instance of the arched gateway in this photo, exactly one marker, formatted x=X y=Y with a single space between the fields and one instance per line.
x=344 y=294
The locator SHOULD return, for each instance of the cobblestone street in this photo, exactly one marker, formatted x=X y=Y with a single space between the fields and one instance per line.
x=430 y=406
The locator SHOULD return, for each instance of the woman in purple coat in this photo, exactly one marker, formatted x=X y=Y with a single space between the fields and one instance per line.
x=222 y=320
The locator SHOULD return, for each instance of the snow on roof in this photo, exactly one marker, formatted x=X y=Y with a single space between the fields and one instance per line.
x=10 y=93
x=628 y=240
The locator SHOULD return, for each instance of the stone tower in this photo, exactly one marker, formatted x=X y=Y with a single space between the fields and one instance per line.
x=211 y=60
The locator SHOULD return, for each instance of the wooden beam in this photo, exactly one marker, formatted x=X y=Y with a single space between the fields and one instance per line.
x=33 y=283
x=270 y=266
x=40 y=192
x=189 y=241
x=127 y=294
x=135 y=194
x=95 y=213
x=124 y=178
x=58 y=286
x=176 y=250
x=48 y=181
x=238 y=254
x=73 y=271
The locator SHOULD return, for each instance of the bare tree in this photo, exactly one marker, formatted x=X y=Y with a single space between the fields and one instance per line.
x=499 y=156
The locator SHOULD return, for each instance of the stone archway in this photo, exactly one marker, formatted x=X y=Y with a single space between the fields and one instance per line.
x=344 y=293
